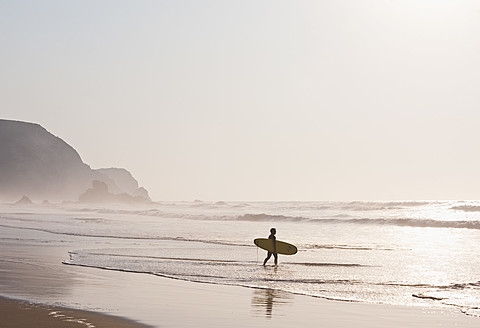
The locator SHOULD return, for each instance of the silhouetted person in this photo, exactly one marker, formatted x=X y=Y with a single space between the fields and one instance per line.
x=273 y=231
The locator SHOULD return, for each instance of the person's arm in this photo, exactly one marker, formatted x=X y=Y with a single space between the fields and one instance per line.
x=274 y=244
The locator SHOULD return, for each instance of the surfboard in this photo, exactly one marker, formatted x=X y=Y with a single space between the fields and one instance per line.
x=282 y=247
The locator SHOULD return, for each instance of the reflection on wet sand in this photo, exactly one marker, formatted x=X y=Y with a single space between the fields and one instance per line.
x=26 y=272
x=264 y=300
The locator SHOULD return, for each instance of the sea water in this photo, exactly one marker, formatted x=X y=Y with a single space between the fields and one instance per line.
x=399 y=253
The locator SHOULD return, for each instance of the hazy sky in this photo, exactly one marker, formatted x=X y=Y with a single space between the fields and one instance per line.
x=256 y=100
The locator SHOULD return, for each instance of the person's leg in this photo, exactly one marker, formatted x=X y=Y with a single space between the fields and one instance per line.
x=269 y=255
x=276 y=258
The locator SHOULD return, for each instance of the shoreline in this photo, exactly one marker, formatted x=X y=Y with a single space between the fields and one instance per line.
x=31 y=269
x=163 y=302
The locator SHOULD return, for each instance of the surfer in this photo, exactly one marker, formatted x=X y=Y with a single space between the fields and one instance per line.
x=273 y=231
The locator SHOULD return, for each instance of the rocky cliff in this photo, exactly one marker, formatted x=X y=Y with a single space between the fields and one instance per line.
x=35 y=163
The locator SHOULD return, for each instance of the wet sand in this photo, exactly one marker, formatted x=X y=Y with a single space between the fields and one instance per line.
x=172 y=303
x=23 y=314
x=162 y=302
x=33 y=271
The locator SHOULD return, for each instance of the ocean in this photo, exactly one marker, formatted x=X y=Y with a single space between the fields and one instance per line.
x=415 y=253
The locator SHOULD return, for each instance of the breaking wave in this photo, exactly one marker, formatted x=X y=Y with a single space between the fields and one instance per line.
x=378 y=206
x=421 y=223
x=467 y=208
x=333 y=219
x=268 y=218
x=402 y=222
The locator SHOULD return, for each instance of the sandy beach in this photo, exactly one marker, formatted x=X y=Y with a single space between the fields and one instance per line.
x=169 y=303
x=20 y=314
x=162 y=302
